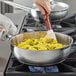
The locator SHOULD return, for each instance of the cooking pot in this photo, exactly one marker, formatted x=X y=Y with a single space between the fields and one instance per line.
x=58 y=10
x=41 y=58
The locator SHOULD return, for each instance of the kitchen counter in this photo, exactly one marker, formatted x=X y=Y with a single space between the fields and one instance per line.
x=5 y=49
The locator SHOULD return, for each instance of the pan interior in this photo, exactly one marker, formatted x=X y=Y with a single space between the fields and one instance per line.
x=61 y=38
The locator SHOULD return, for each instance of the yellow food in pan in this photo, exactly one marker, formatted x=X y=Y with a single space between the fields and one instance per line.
x=45 y=43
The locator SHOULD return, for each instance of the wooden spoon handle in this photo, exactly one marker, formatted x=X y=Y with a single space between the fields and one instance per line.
x=47 y=21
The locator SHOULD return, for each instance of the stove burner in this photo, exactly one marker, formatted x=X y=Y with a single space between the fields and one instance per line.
x=43 y=69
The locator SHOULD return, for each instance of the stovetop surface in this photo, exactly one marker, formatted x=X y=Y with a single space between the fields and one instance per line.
x=66 y=68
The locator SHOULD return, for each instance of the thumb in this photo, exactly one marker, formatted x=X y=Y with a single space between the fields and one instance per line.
x=41 y=9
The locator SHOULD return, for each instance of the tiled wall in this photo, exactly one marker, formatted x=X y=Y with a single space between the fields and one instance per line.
x=4 y=8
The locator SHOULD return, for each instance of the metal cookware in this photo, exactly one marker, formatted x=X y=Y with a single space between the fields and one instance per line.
x=41 y=58
x=58 y=10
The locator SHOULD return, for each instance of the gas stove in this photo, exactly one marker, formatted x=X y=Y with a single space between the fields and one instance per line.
x=66 y=68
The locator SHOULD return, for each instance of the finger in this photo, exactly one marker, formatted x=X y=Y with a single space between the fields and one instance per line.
x=41 y=9
x=46 y=6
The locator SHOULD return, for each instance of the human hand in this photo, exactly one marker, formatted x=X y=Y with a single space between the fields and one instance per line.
x=6 y=27
x=43 y=5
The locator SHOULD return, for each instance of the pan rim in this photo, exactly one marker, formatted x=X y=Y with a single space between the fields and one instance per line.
x=42 y=50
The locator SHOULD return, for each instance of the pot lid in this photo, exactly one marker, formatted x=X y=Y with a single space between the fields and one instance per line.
x=55 y=6
x=58 y=6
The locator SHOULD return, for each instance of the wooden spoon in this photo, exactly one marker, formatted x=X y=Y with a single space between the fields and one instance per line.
x=50 y=32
